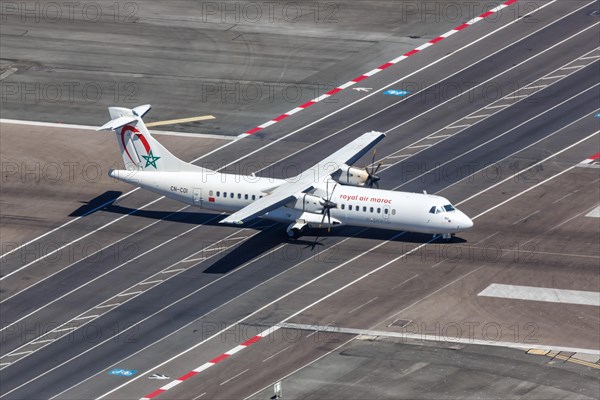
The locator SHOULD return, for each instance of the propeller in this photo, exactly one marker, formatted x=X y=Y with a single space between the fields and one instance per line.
x=327 y=206
x=373 y=180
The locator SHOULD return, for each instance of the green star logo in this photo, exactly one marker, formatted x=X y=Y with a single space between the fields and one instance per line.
x=150 y=160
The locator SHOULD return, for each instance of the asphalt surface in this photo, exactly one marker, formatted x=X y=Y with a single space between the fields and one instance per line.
x=188 y=278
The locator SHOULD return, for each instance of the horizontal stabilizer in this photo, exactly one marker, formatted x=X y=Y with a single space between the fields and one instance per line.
x=119 y=122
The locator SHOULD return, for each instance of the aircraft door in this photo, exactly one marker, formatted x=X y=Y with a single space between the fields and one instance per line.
x=197 y=196
x=386 y=212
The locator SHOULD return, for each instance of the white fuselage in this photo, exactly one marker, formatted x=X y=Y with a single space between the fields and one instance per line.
x=357 y=206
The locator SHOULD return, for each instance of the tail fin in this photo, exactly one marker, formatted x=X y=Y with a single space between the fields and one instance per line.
x=140 y=151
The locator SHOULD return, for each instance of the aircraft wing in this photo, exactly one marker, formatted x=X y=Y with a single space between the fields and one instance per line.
x=291 y=190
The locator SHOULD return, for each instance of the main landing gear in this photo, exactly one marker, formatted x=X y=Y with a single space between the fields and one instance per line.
x=295 y=229
x=446 y=236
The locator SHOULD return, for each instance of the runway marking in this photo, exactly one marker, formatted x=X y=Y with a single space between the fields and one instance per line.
x=94 y=128
x=362 y=305
x=339 y=110
x=432 y=338
x=84 y=317
x=232 y=378
x=594 y=213
x=276 y=354
x=196 y=398
x=549 y=295
x=406 y=281
x=384 y=66
x=456 y=127
x=477 y=116
x=482 y=83
x=7 y=73
x=108 y=305
x=562 y=198
x=574 y=67
x=151 y=282
x=554 y=77
x=496 y=137
x=47 y=254
x=267 y=305
x=137 y=284
x=525 y=217
x=172 y=271
x=129 y=294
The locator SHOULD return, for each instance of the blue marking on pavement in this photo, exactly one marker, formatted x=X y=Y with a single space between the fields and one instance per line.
x=394 y=92
x=122 y=372
x=598 y=115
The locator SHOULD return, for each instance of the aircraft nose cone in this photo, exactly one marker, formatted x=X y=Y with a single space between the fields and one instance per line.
x=465 y=222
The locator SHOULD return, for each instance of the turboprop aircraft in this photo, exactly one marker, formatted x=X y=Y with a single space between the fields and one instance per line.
x=331 y=193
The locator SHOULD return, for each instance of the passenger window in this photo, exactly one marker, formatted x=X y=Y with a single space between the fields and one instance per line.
x=357 y=208
x=350 y=207
x=253 y=197
x=343 y=206
x=210 y=193
x=393 y=211
x=218 y=194
x=378 y=210
x=364 y=209
x=260 y=197
x=224 y=194
x=246 y=197
x=385 y=211
x=239 y=196
x=231 y=195
x=371 y=209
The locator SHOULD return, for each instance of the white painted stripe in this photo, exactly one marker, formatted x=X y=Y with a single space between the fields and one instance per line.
x=235 y=349
x=398 y=59
x=128 y=294
x=474 y=20
x=457 y=126
x=233 y=377
x=595 y=213
x=498 y=106
x=108 y=305
x=7 y=73
x=321 y=97
x=434 y=338
x=347 y=84
x=373 y=72
x=171 y=271
x=477 y=116
x=424 y=46
x=204 y=367
x=574 y=67
x=362 y=305
x=151 y=282
x=171 y=384
x=449 y=33
x=94 y=128
x=438 y=137
x=294 y=111
x=554 y=77
x=18 y=354
x=549 y=295
x=525 y=217
x=589 y=57
x=267 y=124
x=85 y=317
x=267 y=332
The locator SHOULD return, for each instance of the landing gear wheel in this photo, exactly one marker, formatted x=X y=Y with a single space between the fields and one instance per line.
x=294 y=233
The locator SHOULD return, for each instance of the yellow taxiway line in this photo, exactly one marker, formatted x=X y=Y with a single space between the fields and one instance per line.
x=180 y=120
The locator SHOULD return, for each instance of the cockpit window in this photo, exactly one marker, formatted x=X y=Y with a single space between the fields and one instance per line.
x=432 y=210
x=448 y=207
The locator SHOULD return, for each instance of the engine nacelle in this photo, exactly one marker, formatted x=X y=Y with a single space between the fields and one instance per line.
x=309 y=203
x=351 y=176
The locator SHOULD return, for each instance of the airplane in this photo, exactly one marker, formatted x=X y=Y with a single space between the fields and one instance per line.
x=329 y=194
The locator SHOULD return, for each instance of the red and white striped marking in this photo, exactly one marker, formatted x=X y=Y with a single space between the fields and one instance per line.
x=591 y=159
x=378 y=69
x=209 y=364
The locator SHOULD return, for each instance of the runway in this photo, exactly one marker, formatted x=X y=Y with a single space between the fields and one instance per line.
x=497 y=119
